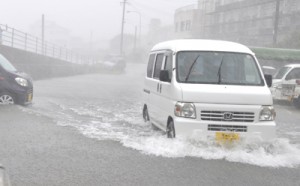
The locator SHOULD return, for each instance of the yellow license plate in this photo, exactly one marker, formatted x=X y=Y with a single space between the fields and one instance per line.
x=227 y=136
x=29 y=97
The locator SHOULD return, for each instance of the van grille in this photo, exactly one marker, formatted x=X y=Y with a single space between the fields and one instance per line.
x=232 y=128
x=227 y=116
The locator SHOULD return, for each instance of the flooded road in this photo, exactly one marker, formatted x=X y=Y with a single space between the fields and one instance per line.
x=88 y=130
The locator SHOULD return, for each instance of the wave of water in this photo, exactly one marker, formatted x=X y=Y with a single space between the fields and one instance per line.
x=125 y=125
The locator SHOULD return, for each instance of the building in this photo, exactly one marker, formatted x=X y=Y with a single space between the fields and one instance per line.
x=251 y=22
x=184 y=17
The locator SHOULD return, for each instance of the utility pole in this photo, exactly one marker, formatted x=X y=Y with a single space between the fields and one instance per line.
x=43 y=34
x=122 y=29
x=135 y=36
x=91 y=43
x=276 y=23
x=140 y=17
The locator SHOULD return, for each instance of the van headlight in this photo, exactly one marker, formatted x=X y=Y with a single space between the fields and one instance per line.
x=267 y=113
x=21 y=81
x=186 y=110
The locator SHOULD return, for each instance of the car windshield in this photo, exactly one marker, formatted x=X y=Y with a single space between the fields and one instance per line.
x=282 y=71
x=6 y=64
x=217 y=68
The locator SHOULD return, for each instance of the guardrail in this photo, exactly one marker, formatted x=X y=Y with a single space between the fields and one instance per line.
x=17 y=39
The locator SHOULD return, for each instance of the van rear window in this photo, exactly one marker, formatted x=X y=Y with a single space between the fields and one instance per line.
x=158 y=65
x=150 y=65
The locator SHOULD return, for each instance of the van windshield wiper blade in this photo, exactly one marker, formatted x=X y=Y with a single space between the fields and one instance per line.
x=190 y=70
x=219 y=70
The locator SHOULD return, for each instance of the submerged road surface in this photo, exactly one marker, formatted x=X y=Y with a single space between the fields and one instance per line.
x=88 y=130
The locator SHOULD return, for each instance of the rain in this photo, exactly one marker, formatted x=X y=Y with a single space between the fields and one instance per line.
x=76 y=77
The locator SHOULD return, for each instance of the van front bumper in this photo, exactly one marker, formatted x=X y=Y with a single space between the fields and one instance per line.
x=265 y=130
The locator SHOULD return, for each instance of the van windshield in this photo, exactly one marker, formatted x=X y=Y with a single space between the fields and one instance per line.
x=217 y=68
x=281 y=72
x=6 y=64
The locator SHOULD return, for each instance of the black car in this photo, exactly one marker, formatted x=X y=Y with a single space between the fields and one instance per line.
x=15 y=87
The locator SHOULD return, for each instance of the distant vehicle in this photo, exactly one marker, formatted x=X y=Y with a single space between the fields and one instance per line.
x=269 y=70
x=114 y=63
x=286 y=84
x=15 y=87
x=208 y=89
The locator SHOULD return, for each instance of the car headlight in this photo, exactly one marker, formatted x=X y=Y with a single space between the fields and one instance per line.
x=21 y=81
x=267 y=113
x=186 y=110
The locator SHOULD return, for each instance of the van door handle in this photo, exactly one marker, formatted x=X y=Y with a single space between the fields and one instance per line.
x=157 y=89
x=160 y=88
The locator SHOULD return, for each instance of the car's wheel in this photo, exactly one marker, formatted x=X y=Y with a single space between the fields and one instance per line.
x=145 y=114
x=296 y=102
x=6 y=99
x=170 y=129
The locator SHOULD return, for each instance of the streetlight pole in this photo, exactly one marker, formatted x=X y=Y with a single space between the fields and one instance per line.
x=43 y=34
x=140 y=17
x=276 y=22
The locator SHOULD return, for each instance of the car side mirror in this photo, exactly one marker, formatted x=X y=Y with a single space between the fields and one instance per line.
x=268 y=79
x=164 y=76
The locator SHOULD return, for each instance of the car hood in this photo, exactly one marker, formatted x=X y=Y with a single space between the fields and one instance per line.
x=226 y=94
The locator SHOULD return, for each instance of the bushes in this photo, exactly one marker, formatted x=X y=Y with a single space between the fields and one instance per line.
x=277 y=54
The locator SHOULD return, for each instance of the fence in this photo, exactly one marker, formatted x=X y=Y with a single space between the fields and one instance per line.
x=20 y=40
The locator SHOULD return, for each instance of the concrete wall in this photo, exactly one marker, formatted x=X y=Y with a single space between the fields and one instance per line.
x=41 y=67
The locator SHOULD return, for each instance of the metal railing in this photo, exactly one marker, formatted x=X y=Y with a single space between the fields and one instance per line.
x=20 y=40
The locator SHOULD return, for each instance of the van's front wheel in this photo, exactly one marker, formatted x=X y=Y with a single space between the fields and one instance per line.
x=170 y=129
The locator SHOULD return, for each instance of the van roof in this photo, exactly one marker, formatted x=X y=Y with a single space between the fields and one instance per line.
x=201 y=45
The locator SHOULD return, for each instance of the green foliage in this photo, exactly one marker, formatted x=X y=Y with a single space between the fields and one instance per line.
x=277 y=54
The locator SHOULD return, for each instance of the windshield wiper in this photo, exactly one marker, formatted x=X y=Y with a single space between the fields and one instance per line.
x=190 y=70
x=219 y=71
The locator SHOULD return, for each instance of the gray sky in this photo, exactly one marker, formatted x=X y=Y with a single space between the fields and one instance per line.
x=102 y=17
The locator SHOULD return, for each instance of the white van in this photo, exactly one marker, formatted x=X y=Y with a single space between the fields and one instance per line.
x=208 y=88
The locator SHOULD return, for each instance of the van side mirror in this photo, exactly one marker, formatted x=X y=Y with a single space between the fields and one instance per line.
x=164 y=76
x=268 y=79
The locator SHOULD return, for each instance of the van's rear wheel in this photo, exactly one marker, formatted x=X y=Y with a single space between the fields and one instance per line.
x=170 y=129
x=6 y=99
x=145 y=114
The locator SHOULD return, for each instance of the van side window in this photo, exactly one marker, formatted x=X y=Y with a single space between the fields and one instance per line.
x=158 y=64
x=168 y=64
x=150 y=65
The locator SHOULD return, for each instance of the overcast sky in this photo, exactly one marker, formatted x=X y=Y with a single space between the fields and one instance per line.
x=102 y=17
